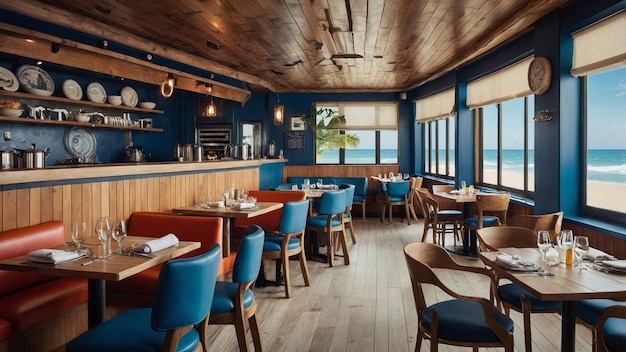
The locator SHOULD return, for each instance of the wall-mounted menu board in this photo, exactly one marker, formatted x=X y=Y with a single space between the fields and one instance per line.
x=294 y=140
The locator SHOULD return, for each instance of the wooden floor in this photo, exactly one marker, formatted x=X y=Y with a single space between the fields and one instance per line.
x=367 y=305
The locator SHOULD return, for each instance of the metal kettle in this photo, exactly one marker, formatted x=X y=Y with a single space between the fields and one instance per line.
x=134 y=154
x=32 y=158
x=228 y=152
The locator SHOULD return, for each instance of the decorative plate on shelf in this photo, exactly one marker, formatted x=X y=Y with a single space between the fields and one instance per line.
x=8 y=81
x=96 y=92
x=80 y=142
x=72 y=90
x=129 y=96
x=35 y=80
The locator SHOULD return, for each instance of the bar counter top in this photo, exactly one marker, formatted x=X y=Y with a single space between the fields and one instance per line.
x=85 y=171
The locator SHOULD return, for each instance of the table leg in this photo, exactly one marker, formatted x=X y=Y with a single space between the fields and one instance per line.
x=226 y=226
x=568 y=326
x=96 y=302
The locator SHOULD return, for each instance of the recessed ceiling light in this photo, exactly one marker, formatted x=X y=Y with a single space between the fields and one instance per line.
x=212 y=45
x=104 y=10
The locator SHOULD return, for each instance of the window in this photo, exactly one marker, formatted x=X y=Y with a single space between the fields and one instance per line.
x=599 y=59
x=356 y=133
x=436 y=113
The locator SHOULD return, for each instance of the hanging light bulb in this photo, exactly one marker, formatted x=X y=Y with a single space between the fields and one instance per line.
x=279 y=110
x=167 y=87
x=211 y=109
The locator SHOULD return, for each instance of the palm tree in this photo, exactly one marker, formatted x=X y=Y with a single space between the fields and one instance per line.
x=327 y=127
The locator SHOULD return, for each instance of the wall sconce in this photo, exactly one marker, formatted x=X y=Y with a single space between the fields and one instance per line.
x=167 y=87
x=279 y=110
x=542 y=115
x=211 y=109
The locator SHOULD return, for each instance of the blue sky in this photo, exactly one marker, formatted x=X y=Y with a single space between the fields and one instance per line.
x=607 y=110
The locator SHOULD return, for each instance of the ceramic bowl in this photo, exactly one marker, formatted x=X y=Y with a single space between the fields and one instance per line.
x=147 y=104
x=11 y=112
x=114 y=99
x=82 y=118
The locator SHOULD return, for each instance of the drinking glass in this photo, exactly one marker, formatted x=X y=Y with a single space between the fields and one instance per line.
x=103 y=231
x=307 y=183
x=119 y=234
x=543 y=242
x=581 y=247
x=566 y=242
x=79 y=232
x=319 y=183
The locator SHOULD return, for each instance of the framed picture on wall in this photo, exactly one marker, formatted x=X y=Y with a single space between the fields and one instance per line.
x=296 y=123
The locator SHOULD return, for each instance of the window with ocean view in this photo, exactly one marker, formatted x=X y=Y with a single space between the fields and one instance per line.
x=605 y=166
x=439 y=147
x=362 y=133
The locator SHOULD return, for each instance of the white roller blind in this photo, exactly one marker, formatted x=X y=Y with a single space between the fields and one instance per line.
x=506 y=84
x=435 y=106
x=600 y=47
x=368 y=115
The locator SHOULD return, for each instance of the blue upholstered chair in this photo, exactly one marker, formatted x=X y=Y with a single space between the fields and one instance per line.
x=233 y=302
x=512 y=296
x=462 y=320
x=347 y=215
x=329 y=220
x=588 y=312
x=289 y=241
x=285 y=186
x=183 y=298
x=441 y=221
x=397 y=194
x=491 y=208
x=612 y=329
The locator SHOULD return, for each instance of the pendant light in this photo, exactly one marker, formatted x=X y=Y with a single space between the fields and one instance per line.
x=167 y=87
x=211 y=109
x=279 y=110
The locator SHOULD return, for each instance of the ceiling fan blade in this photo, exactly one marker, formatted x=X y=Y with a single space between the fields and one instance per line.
x=347 y=56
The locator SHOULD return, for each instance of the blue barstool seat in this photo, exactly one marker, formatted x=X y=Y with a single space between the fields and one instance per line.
x=168 y=325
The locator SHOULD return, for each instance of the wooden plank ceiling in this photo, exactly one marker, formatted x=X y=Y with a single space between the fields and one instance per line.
x=307 y=45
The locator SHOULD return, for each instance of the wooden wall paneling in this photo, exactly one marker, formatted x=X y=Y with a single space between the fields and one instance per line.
x=1 y=219
x=34 y=212
x=66 y=199
x=22 y=209
x=127 y=196
x=47 y=204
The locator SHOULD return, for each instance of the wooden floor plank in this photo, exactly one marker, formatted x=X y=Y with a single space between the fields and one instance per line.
x=368 y=305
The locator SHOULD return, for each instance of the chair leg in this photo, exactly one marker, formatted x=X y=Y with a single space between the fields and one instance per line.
x=527 y=331
x=305 y=269
x=285 y=259
x=202 y=331
x=256 y=334
x=425 y=232
x=390 y=213
x=241 y=333
x=407 y=212
x=351 y=227
x=363 y=209
x=344 y=244
x=330 y=248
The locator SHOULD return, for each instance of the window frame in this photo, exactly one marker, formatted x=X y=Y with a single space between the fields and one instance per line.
x=429 y=164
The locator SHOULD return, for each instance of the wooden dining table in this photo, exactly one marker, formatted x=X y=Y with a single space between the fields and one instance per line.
x=115 y=268
x=468 y=200
x=229 y=214
x=567 y=284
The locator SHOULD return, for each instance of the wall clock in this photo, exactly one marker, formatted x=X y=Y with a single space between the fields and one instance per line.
x=539 y=75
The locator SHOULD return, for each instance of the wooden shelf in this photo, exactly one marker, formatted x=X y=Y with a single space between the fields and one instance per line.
x=28 y=120
x=22 y=95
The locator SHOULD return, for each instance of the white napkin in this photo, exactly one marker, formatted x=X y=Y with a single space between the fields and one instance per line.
x=597 y=255
x=512 y=261
x=242 y=206
x=52 y=256
x=156 y=245
x=618 y=264
x=218 y=204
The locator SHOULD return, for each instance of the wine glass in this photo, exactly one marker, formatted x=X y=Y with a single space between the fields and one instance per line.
x=79 y=232
x=581 y=247
x=119 y=234
x=103 y=231
x=543 y=242
x=319 y=183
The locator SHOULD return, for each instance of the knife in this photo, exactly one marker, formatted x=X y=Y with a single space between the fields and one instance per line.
x=141 y=254
x=94 y=260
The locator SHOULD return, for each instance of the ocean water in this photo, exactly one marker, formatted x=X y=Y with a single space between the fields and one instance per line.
x=604 y=165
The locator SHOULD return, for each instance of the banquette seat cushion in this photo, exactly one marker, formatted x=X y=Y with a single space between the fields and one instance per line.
x=206 y=230
x=27 y=299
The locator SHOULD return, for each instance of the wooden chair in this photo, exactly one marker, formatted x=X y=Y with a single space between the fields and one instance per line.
x=397 y=194
x=330 y=220
x=416 y=183
x=510 y=295
x=551 y=222
x=347 y=215
x=491 y=209
x=589 y=312
x=612 y=329
x=442 y=188
x=462 y=321
x=438 y=220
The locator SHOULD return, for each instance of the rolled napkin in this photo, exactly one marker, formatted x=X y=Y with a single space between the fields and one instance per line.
x=243 y=206
x=218 y=204
x=512 y=261
x=52 y=256
x=617 y=264
x=597 y=255
x=158 y=244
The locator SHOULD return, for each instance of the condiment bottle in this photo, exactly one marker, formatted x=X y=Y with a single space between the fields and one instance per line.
x=569 y=256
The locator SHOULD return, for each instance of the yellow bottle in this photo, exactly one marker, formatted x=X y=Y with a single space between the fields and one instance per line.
x=569 y=256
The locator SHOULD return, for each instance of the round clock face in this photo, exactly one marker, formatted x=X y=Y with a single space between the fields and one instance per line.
x=539 y=75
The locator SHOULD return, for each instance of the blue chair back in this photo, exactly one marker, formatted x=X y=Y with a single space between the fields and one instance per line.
x=350 y=189
x=248 y=259
x=332 y=202
x=398 y=188
x=293 y=218
x=285 y=186
x=184 y=291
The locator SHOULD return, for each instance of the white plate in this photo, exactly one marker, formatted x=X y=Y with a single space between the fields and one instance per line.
x=8 y=81
x=129 y=96
x=72 y=90
x=35 y=80
x=96 y=92
x=80 y=142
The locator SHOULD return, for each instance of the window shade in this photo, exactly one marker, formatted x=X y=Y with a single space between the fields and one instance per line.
x=368 y=115
x=600 y=47
x=506 y=84
x=435 y=106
